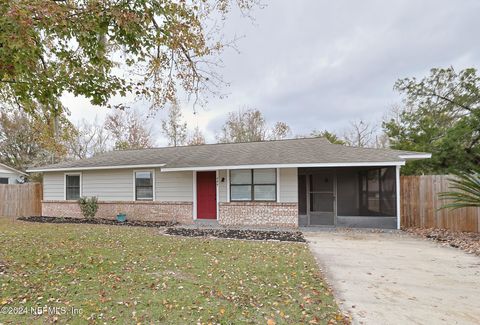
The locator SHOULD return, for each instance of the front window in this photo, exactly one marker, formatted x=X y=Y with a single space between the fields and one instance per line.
x=253 y=185
x=144 y=185
x=72 y=187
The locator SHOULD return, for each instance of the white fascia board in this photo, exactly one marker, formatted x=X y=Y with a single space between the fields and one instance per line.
x=13 y=169
x=416 y=156
x=353 y=164
x=71 y=169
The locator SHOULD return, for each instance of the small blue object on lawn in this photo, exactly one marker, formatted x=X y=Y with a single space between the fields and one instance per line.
x=121 y=217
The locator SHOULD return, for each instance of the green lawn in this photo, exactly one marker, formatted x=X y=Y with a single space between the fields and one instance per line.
x=112 y=274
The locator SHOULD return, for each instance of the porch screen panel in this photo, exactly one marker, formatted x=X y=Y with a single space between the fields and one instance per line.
x=388 y=198
x=370 y=193
x=321 y=183
x=302 y=194
x=347 y=192
x=321 y=202
x=366 y=192
x=321 y=192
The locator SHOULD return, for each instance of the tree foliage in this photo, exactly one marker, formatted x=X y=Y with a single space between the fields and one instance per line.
x=196 y=138
x=174 y=128
x=330 y=136
x=27 y=140
x=88 y=140
x=360 y=134
x=441 y=115
x=244 y=125
x=280 y=131
x=103 y=48
x=129 y=130
x=249 y=125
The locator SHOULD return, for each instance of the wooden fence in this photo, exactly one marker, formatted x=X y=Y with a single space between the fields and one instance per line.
x=17 y=200
x=420 y=204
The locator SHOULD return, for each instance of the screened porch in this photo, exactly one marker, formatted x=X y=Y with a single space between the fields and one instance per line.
x=348 y=197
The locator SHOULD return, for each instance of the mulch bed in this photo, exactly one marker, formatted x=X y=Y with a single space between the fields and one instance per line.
x=467 y=241
x=293 y=236
x=98 y=221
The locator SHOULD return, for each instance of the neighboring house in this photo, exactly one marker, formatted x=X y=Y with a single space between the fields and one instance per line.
x=287 y=183
x=9 y=175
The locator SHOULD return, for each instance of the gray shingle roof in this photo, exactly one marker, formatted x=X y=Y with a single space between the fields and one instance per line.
x=293 y=151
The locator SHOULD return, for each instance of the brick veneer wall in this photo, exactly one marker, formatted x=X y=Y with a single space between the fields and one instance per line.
x=159 y=211
x=264 y=214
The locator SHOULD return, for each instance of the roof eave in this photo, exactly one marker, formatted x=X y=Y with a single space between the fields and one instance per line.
x=13 y=169
x=71 y=169
x=305 y=165
x=416 y=156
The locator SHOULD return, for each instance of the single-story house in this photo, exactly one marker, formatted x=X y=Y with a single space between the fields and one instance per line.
x=285 y=183
x=9 y=175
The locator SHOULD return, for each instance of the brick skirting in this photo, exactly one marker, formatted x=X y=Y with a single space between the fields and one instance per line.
x=180 y=212
x=259 y=214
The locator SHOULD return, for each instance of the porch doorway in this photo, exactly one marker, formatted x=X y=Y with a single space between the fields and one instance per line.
x=317 y=197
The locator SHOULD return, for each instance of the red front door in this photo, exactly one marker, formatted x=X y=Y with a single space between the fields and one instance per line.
x=206 y=195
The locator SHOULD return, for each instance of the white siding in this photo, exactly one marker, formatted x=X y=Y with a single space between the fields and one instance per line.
x=12 y=178
x=288 y=185
x=4 y=170
x=8 y=173
x=174 y=186
x=117 y=185
x=108 y=185
x=53 y=186
x=222 y=186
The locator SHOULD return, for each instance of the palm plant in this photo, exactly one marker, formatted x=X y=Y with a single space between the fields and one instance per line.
x=465 y=191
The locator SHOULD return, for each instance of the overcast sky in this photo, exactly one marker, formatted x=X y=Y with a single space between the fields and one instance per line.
x=318 y=64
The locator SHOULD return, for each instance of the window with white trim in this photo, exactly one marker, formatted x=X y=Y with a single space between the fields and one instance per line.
x=144 y=186
x=253 y=185
x=72 y=187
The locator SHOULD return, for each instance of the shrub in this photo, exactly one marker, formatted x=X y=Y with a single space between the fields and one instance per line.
x=465 y=191
x=88 y=206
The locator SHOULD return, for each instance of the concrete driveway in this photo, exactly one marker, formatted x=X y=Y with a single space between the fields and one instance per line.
x=394 y=278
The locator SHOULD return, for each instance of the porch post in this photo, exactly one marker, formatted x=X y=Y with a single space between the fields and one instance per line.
x=397 y=196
